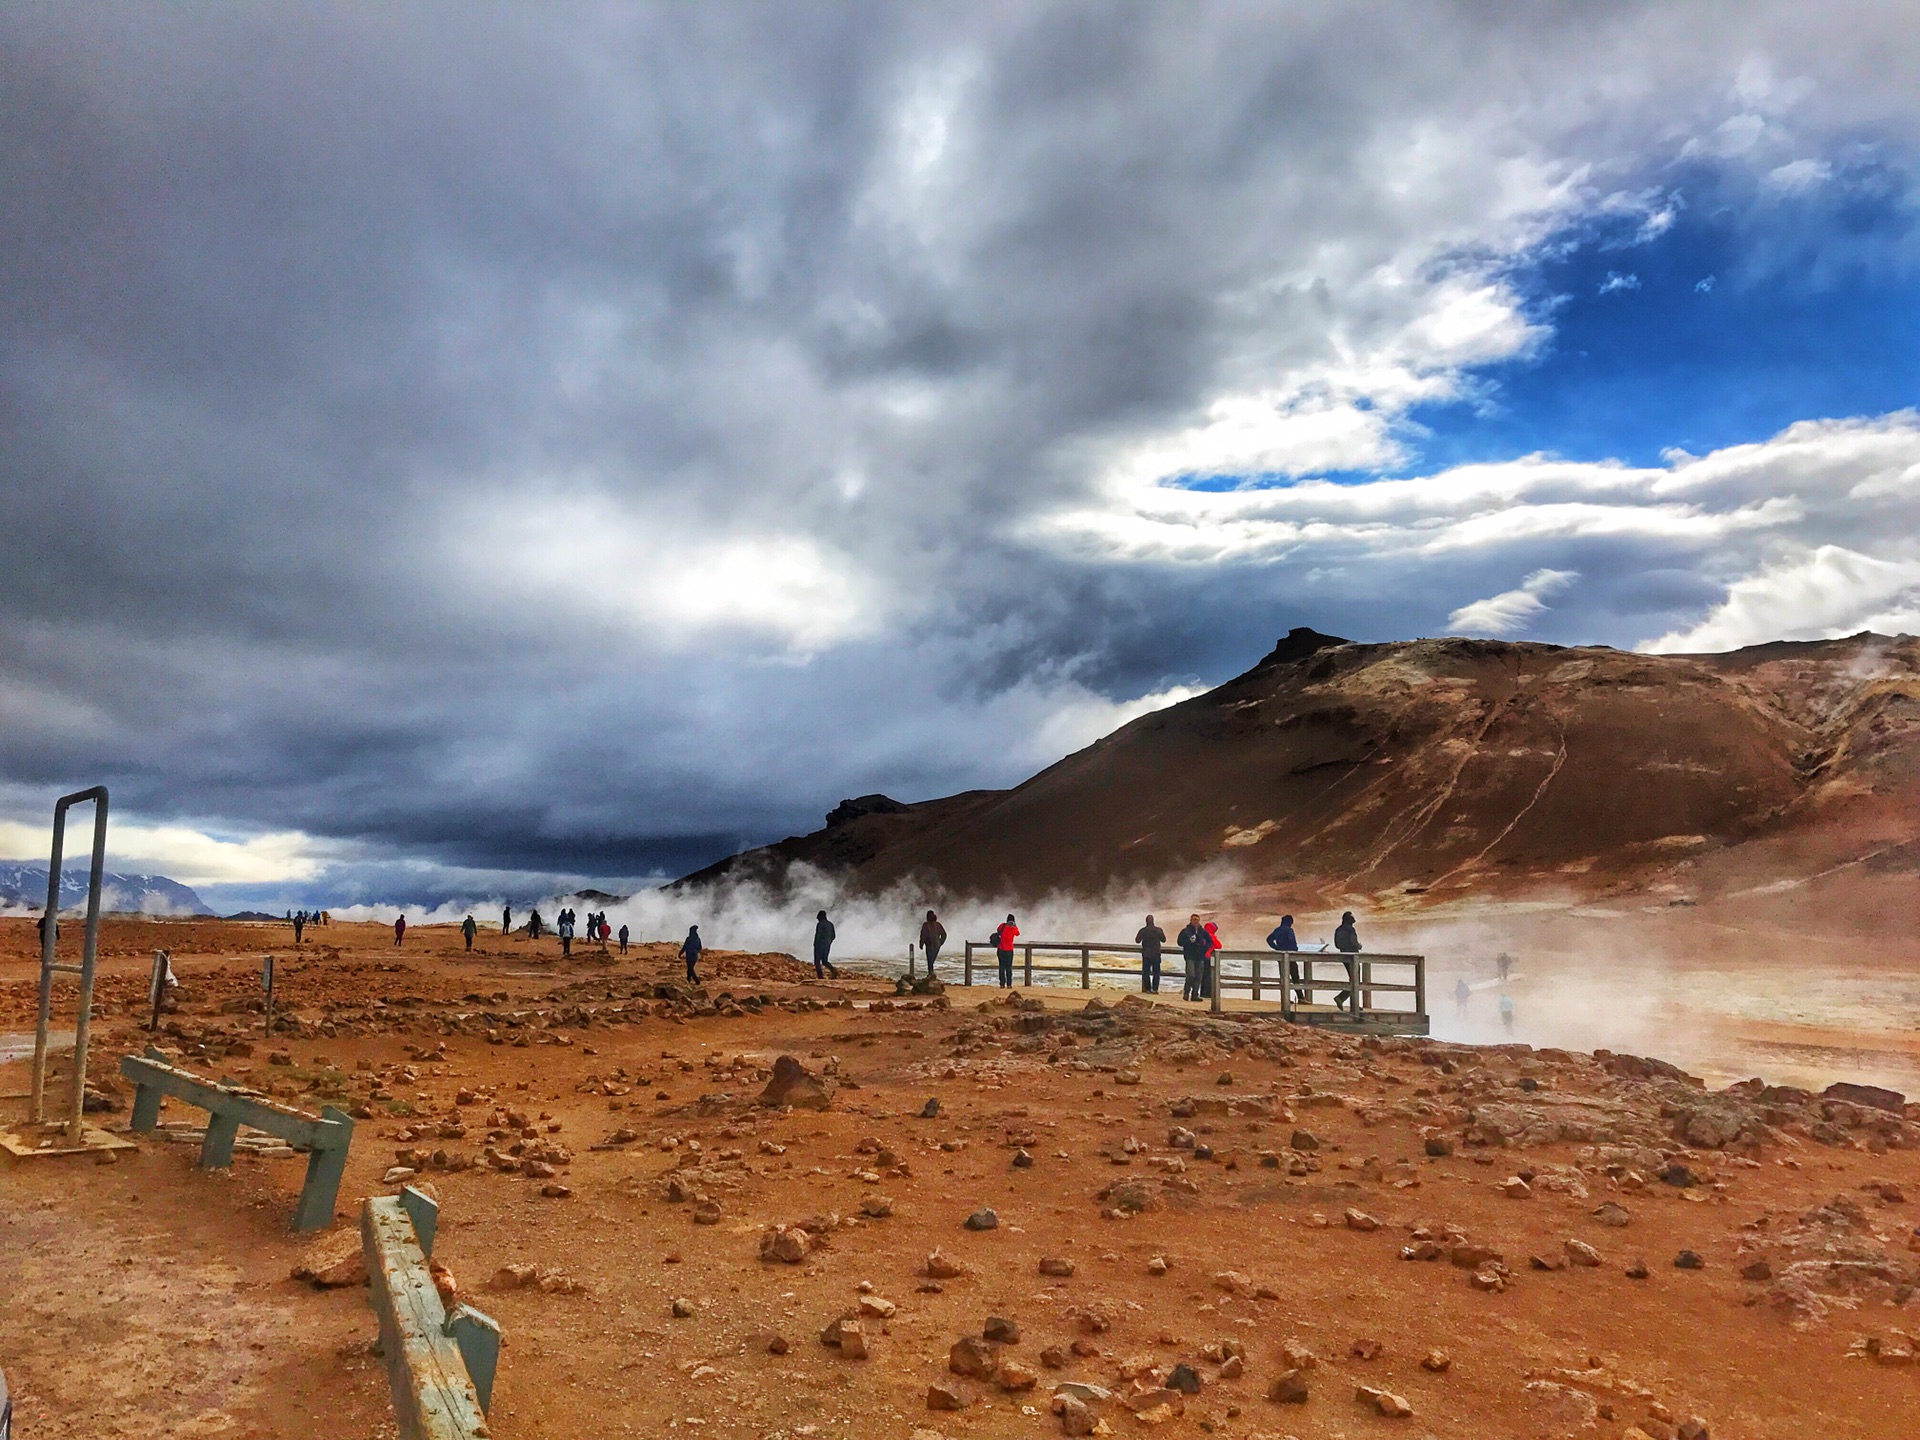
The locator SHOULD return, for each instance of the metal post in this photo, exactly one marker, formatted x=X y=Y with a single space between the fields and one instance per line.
x=909 y=962
x=1086 y=968
x=1420 y=985
x=1028 y=979
x=159 y=991
x=967 y=976
x=1213 y=982
x=1256 y=975
x=91 y=949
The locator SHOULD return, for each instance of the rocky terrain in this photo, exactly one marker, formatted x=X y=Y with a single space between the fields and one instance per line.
x=1438 y=769
x=771 y=1207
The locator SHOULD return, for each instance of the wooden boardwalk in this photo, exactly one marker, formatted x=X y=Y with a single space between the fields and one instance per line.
x=1299 y=986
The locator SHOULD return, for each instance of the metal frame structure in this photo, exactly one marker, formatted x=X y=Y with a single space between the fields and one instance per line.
x=48 y=968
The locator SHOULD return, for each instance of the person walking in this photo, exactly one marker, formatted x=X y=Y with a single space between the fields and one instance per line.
x=1506 y=1012
x=1282 y=939
x=690 y=949
x=823 y=933
x=1003 y=937
x=506 y=919
x=467 y=931
x=1346 y=939
x=299 y=924
x=1150 y=939
x=534 y=925
x=1462 y=992
x=932 y=936
x=399 y=930
x=623 y=939
x=1194 y=943
x=566 y=933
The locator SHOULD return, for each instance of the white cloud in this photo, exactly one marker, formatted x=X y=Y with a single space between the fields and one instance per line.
x=1617 y=281
x=1812 y=594
x=1511 y=610
x=179 y=852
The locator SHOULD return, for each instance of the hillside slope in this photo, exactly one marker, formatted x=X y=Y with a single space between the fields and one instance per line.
x=1436 y=767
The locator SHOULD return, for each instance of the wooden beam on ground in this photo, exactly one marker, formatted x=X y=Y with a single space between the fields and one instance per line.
x=439 y=1367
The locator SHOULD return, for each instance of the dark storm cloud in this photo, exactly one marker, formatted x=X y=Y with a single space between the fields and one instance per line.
x=584 y=438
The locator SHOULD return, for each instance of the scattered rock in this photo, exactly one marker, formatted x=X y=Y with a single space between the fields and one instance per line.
x=334 y=1264
x=1055 y=1265
x=1583 y=1254
x=1689 y=1260
x=787 y=1244
x=939 y=1267
x=1436 y=1361
x=1014 y=1377
x=942 y=1395
x=682 y=1308
x=1001 y=1331
x=930 y=1110
x=1612 y=1213
x=1184 y=1378
x=983 y=1220
x=1289 y=1387
x=793 y=1084
x=1360 y=1220
x=1385 y=1402
x=970 y=1356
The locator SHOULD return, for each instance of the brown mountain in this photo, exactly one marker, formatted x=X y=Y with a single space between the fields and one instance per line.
x=1438 y=767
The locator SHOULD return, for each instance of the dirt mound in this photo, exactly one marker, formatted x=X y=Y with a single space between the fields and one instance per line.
x=1438 y=767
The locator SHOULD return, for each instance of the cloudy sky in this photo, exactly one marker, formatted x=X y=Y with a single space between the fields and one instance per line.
x=446 y=450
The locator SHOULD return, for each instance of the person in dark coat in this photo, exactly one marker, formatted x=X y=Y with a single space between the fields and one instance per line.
x=932 y=936
x=690 y=949
x=623 y=939
x=1282 y=939
x=1195 y=945
x=1003 y=938
x=823 y=934
x=1150 y=939
x=467 y=931
x=1346 y=939
x=399 y=929
x=506 y=919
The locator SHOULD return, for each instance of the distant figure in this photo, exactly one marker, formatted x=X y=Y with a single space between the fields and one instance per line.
x=1346 y=939
x=823 y=933
x=1283 y=940
x=1003 y=937
x=1194 y=943
x=1506 y=1013
x=1462 y=992
x=690 y=949
x=41 y=926
x=467 y=931
x=506 y=919
x=1503 y=962
x=932 y=936
x=1214 y=947
x=623 y=939
x=1150 y=938
x=299 y=924
x=399 y=930
x=566 y=933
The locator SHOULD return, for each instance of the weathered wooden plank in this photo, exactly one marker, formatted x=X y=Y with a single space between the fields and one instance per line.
x=433 y=1394
x=296 y=1127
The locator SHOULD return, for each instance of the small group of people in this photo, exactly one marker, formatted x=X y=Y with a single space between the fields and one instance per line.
x=301 y=919
x=1199 y=942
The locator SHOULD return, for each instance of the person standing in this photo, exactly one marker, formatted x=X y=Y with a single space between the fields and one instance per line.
x=623 y=939
x=932 y=936
x=399 y=930
x=299 y=924
x=823 y=933
x=1150 y=939
x=1282 y=939
x=1003 y=938
x=1462 y=992
x=467 y=931
x=1193 y=942
x=566 y=933
x=1346 y=939
x=690 y=949
x=506 y=919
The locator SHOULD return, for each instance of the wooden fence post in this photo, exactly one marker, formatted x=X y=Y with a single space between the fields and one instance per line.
x=1028 y=980
x=1086 y=967
x=968 y=963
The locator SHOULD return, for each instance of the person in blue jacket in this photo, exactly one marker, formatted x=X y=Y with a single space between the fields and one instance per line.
x=1282 y=940
x=690 y=949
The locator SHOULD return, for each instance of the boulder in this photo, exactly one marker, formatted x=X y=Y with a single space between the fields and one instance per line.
x=793 y=1084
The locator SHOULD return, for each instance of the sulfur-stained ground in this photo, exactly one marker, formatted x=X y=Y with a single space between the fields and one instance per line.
x=1280 y=1176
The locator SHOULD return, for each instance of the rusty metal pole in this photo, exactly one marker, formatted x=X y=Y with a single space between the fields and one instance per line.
x=49 y=924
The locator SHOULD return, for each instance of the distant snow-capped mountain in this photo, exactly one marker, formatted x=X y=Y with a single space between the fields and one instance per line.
x=23 y=886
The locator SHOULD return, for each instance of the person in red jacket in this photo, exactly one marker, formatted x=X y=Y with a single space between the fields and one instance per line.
x=1003 y=939
x=1213 y=949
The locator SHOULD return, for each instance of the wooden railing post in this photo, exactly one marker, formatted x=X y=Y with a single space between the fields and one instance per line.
x=1419 y=984
x=1256 y=975
x=1086 y=967
x=1027 y=981
x=967 y=963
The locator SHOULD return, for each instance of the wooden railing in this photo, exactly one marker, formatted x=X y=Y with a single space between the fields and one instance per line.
x=1296 y=979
